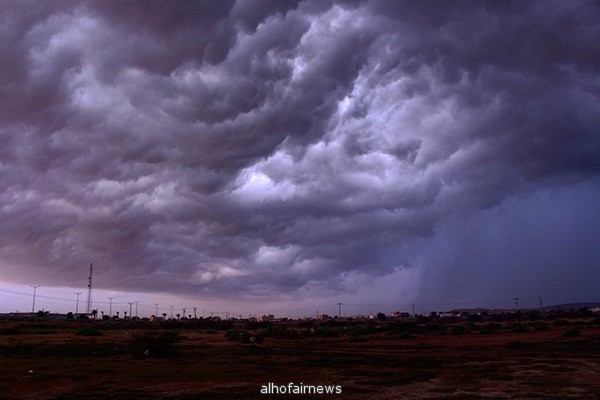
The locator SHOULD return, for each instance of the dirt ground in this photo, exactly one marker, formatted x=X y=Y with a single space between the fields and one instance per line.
x=49 y=361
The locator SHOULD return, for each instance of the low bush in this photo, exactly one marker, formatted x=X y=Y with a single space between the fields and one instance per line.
x=242 y=336
x=458 y=329
x=364 y=330
x=493 y=326
x=88 y=331
x=234 y=335
x=540 y=326
x=326 y=331
x=279 y=332
x=519 y=328
x=10 y=331
x=435 y=328
x=401 y=336
x=357 y=339
x=155 y=343
x=572 y=332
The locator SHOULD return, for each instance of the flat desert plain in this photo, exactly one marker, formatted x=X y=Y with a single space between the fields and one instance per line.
x=370 y=360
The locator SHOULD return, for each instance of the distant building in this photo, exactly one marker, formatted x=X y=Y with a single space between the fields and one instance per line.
x=398 y=314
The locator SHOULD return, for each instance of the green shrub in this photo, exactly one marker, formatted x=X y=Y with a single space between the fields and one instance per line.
x=493 y=326
x=572 y=332
x=243 y=336
x=280 y=332
x=402 y=336
x=155 y=343
x=233 y=335
x=88 y=331
x=519 y=328
x=475 y=318
x=540 y=326
x=10 y=331
x=327 y=331
x=357 y=339
x=435 y=328
x=458 y=329
x=402 y=326
x=364 y=330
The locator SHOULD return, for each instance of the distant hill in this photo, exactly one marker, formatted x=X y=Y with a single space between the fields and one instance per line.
x=566 y=306
x=575 y=306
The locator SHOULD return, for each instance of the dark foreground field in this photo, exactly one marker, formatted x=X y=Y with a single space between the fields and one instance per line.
x=48 y=360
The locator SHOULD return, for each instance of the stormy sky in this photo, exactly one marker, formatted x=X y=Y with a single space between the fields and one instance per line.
x=273 y=151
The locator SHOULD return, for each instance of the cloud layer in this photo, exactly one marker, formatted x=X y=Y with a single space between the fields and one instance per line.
x=267 y=148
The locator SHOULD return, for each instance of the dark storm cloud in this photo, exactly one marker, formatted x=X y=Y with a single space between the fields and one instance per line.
x=262 y=147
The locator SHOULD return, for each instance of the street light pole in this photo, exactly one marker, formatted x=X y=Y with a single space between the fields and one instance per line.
x=77 y=303
x=34 y=289
x=110 y=307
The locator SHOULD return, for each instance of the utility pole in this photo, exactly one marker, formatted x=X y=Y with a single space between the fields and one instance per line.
x=195 y=312
x=34 y=289
x=541 y=305
x=110 y=307
x=137 y=302
x=516 y=299
x=156 y=313
x=183 y=309
x=340 y=309
x=130 y=304
x=89 y=299
x=171 y=312
x=77 y=303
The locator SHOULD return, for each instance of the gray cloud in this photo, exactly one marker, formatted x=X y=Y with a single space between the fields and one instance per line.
x=228 y=148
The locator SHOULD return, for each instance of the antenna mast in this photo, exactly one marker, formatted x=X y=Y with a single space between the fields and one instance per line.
x=89 y=299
